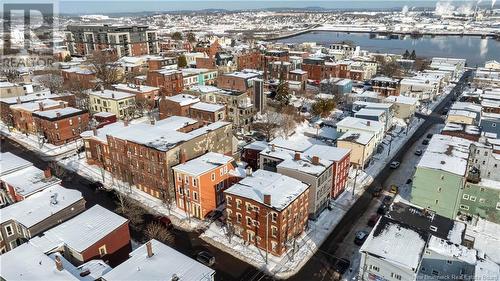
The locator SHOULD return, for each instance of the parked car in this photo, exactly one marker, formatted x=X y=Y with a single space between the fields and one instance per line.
x=360 y=237
x=418 y=152
x=387 y=199
x=373 y=220
x=213 y=215
x=408 y=181
x=164 y=221
x=395 y=164
x=382 y=209
x=377 y=191
x=340 y=265
x=429 y=136
x=96 y=185
x=425 y=142
x=205 y=258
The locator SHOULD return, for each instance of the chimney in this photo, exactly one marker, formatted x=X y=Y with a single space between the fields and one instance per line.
x=47 y=173
x=368 y=123
x=315 y=160
x=149 y=248
x=58 y=114
x=297 y=156
x=40 y=106
x=62 y=104
x=267 y=199
x=273 y=147
x=125 y=122
x=113 y=95
x=59 y=264
x=94 y=131
x=248 y=171
x=18 y=100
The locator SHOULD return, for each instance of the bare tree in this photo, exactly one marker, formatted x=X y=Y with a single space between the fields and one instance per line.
x=103 y=64
x=53 y=82
x=158 y=231
x=11 y=74
x=288 y=121
x=268 y=125
x=127 y=208
x=229 y=232
x=81 y=95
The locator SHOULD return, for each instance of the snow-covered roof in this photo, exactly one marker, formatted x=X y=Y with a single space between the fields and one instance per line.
x=203 y=164
x=402 y=100
x=110 y=94
x=35 y=106
x=305 y=165
x=370 y=112
x=300 y=144
x=5 y=84
x=360 y=124
x=59 y=112
x=257 y=145
x=486 y=239
x=449 y=249
x=26 y=262
x=358 y=137
x=465 y=113
x=104 y=114
x=211 y=107
x=242 y=74
x=29 y=180
x=282 y=189
x=468 y=106
x=446 y=153
x=80 y=232
x=163 y=265
x=328 y=152
x=183 y=99
x=396 y=243
x=135 y=88
x=39 y=206
x=298 y=71
x=79 y=70
x=31 y=97
x=205 y=89
x=10 y=163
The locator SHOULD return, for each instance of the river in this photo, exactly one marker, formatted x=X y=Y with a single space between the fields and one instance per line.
x=473 y=48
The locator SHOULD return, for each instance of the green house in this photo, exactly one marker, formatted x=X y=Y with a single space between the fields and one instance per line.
x=481 y=199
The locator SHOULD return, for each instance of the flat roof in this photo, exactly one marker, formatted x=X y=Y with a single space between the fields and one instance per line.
x=63 y=113
x=110 y=94
x=183 y=99
x=29 y=180
x=203 y=164
x=211 y=107
x=10 y=163
x=165 y=263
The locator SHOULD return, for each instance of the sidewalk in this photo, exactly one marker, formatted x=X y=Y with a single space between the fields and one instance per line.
x=47 y=151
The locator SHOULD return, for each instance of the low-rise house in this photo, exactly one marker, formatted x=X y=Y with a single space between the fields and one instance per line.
x=268 y=210
x=10 y=163
x=22 y=114
x=96 y=233
x=143 y=94
x=358 y=125
x=84 y=77
x=200 y=183
x=170 y=81
x=237 y=81
x=372 y=114
x=60 y=126
x=490 y=123
x=157 y=261
x=455 y=66
x=470 y=132
x=423 y=88
x=8 y=90
x=119 y=103
x=24 y=220
x=177 y=105
x=27 y=262
x=385 y=85
x=361 y=144
x=199 y=76
x=207 y=112
x=404 y=107
x=251 y=151
x=461 y=117
x=468 y=110
x=23 y=183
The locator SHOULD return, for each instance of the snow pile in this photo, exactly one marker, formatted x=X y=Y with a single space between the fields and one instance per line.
x=456 y=233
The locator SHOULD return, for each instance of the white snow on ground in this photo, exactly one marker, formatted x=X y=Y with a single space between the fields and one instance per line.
x=47 y=151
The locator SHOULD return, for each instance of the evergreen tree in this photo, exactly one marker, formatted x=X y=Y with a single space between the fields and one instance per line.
x=413 y=55
x=406 y=55
x=181 y=61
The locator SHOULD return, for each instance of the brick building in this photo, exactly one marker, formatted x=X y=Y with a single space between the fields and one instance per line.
x=237 y=81
x=157 y=62
x=169 y=81
x=207 y=112
x=62 y=125
x=249 y=60
x=200 y=183
x=22 y=114
x=268 y=210
x=134 y=40
x=21 y=184
x=83 y=77
x=146 y=95
x=177 y=105
x=105 y=236
x=153 y=149
x=250 y=153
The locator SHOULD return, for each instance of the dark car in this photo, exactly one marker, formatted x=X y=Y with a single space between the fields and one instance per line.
x=373 y=220
x=96 y=185
x=408 y=181
x=205 y=258
x=429 y=136
x=387 y=200
x=164 y=221
x=340 y=265
x=418 y=152
x=425 y=142
x=213 y=215
x=360 y=237
x=382 y=209
x=377 y=191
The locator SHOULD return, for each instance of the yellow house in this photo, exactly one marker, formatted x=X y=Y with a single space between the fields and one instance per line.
x=461 y=117
x=362 y=145
x=119 y=103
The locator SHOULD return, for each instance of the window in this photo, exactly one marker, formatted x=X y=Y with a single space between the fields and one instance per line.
x=195 y=195
x=228 y=200
x=435 y=272
x=433 y=228
x=195 y=182
x=465 y=207
x=436 y=201
x=482 y=200
x=274 y=217
x=249 y=221
x=18 y=227
x=449 y=262
x=56 y=125
x=397 y=276
x=238 y=204
x=473 y=198
x=238 y=217
x=498 y=206
x=465 y=196
x=213 y=176
x=274 y=231
x=70 y=121
x=249 y=207
x=179 y=177
x=180 y=190
x=102 y=250
x=9 y=230
x=439 y=189
x=186 y=179
x=374 y=268
x=221 y=171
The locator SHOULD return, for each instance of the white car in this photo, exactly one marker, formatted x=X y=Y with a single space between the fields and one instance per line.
x=395 y=165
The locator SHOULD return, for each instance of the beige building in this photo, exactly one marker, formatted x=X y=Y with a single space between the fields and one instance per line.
x=361 y=144
x=8 y=90
x=404 y=107
x=461 y=117
x=119 y=103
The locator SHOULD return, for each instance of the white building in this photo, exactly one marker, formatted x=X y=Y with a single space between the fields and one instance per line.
x=354 y=124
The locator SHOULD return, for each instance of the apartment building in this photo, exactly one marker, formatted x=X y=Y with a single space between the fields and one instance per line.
x=361 y=144
x=423 y=88
x=119 y=103
x=146 y=95
x=28 y=218
x=207 y=112
x=23 y=183
x=237 y=81
x=177 y=105
x=385 y=85
x=251 y=59
x=22 y=113
x=60 y=126
x=200 y=183
x=83 y=77
x=358 y=125
x=8 y=90
x=153 y=149
x=268 y=210
x=133 y=40
x=170 y=81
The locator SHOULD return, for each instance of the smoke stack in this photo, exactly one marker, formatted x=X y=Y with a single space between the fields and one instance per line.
x=62 y=104
x=149 y=249
x=58 y=114
x=248 y=171
x=297 y=156
x=315 y=160
x=94 y=131
x=267 y=199
x=273 y=147
x=59 y=264
x=47 y=173
x=40 y=106
x=368 y=123
x=112 y=95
